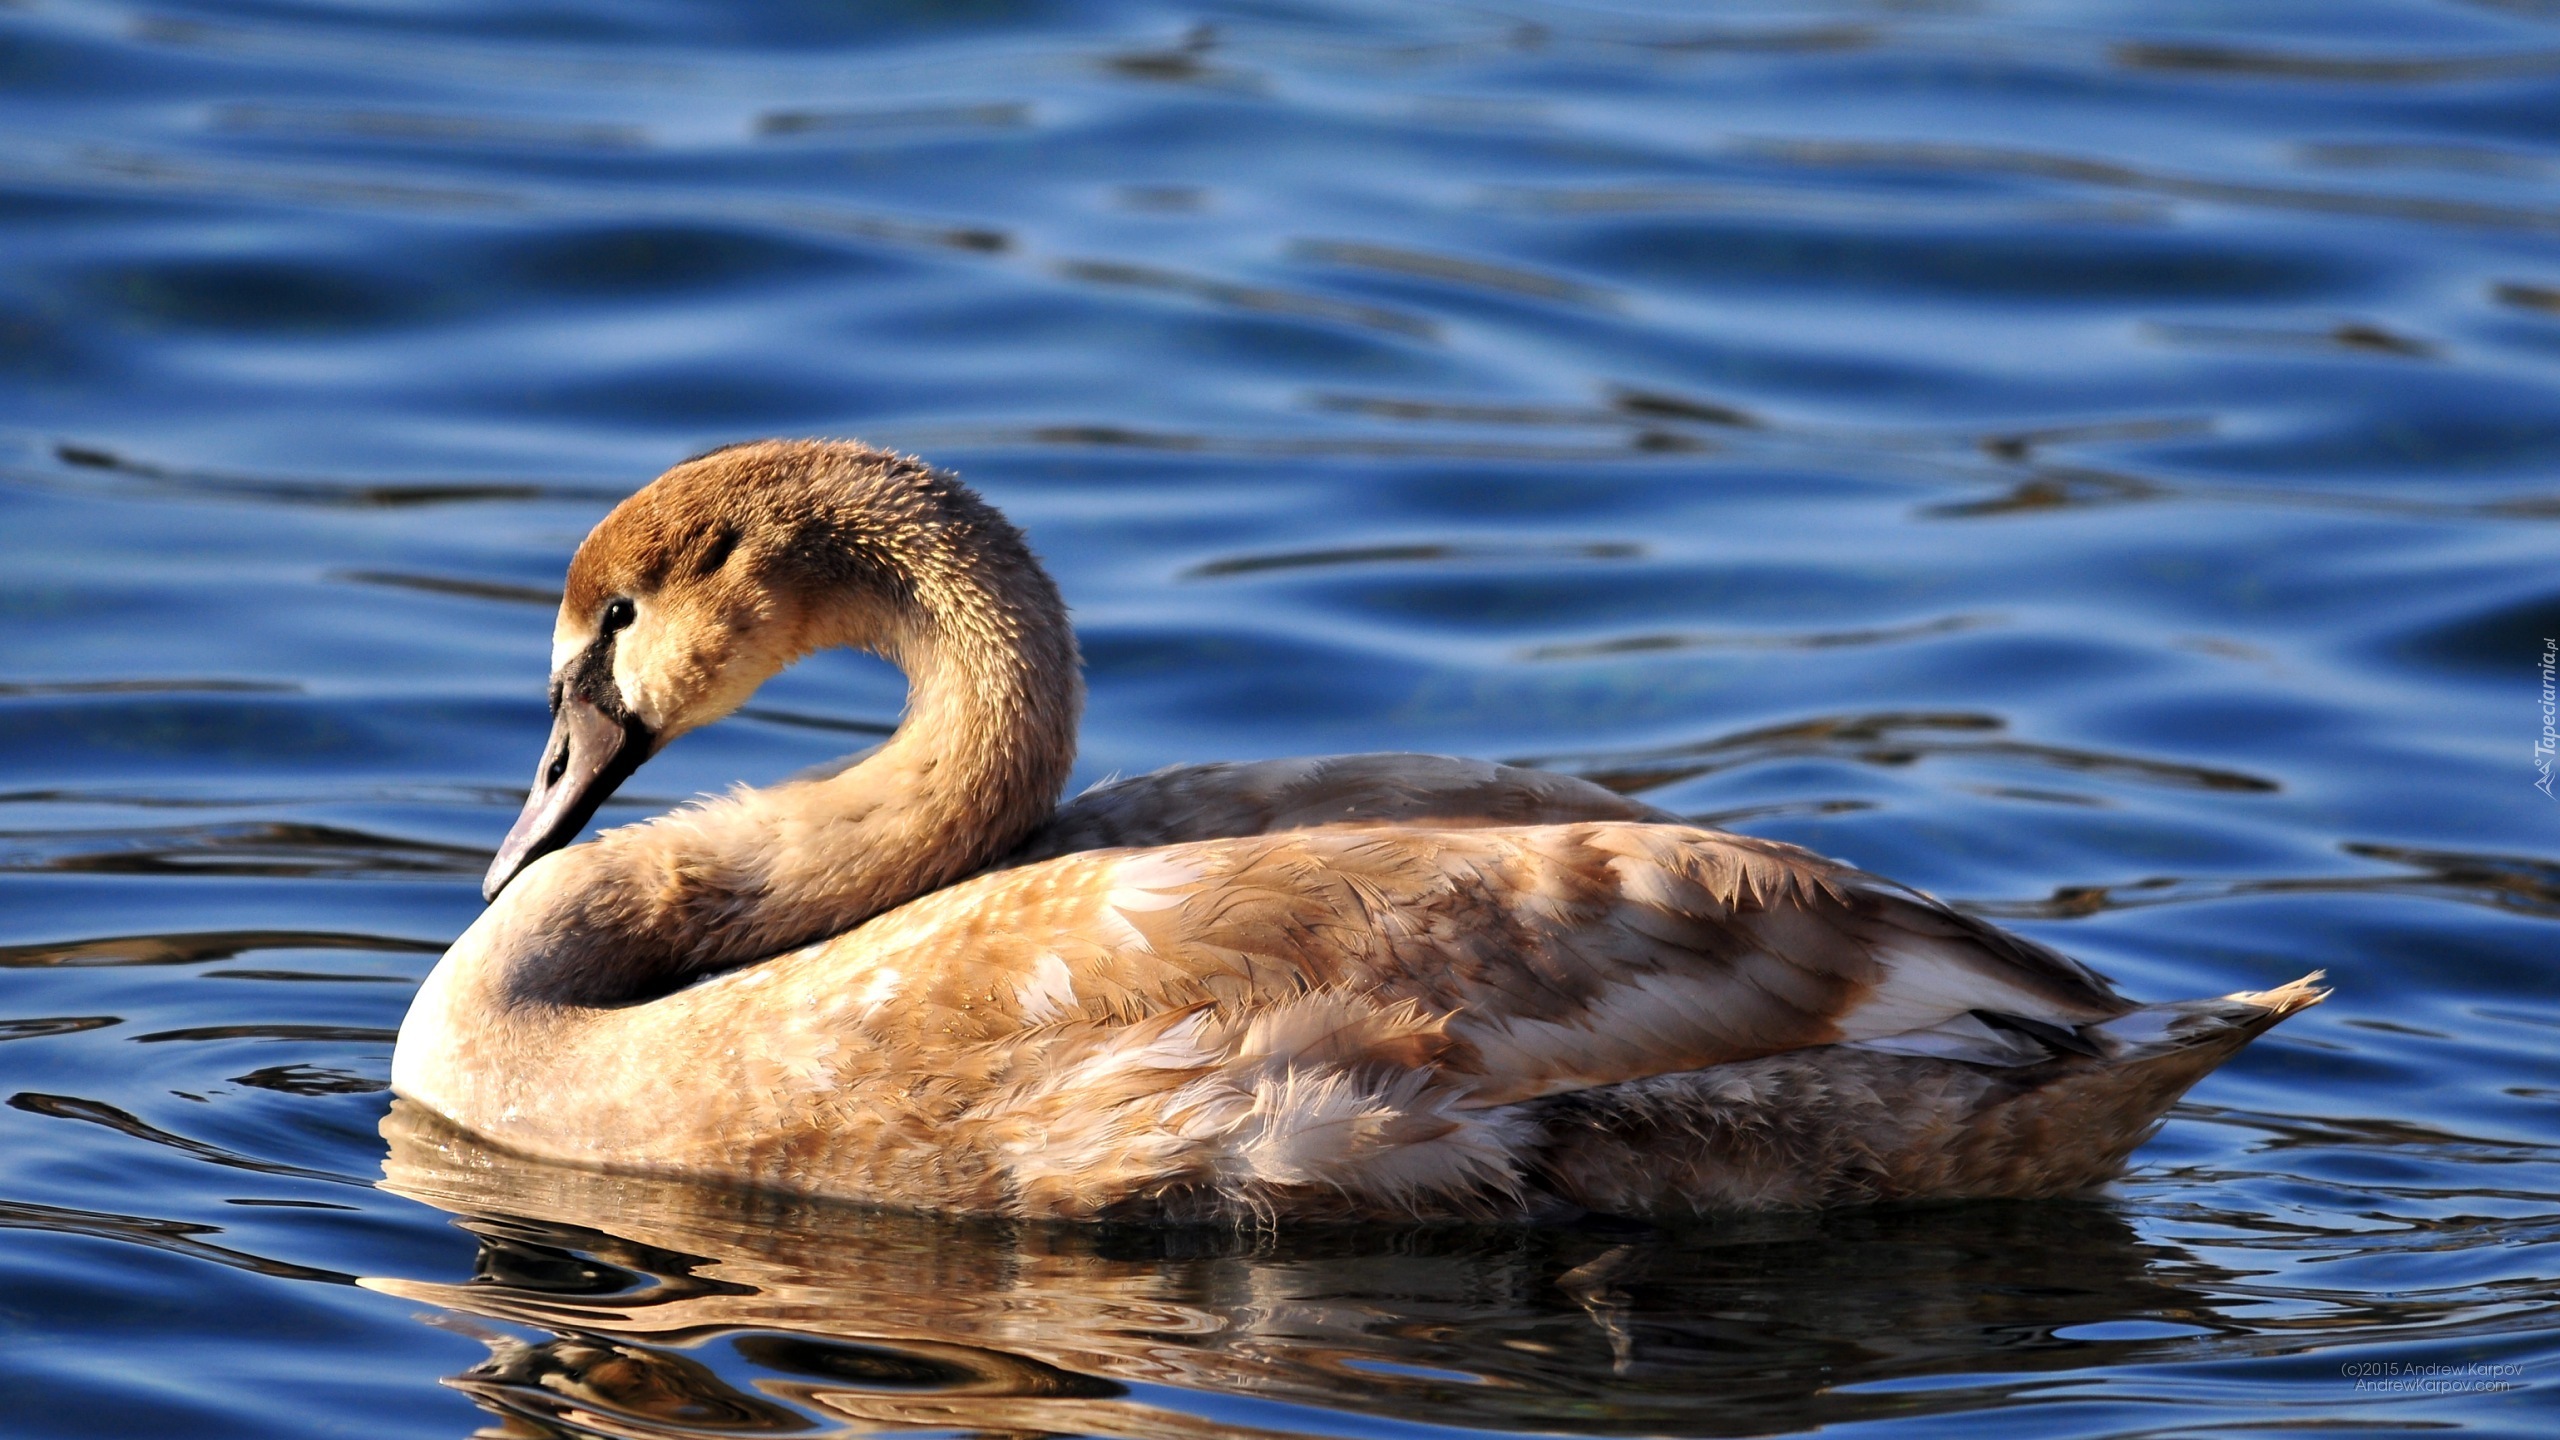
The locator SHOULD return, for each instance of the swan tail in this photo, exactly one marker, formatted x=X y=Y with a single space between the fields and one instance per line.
x=1850 y=1124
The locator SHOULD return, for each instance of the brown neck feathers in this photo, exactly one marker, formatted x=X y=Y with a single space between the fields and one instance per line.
x=859 y=549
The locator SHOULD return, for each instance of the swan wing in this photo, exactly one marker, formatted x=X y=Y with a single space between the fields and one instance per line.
x=1524 y=961
x=1185 y=803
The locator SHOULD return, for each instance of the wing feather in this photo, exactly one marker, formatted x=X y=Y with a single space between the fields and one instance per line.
x=1345 y=1006
x=1187 y=803
x=1550 y=958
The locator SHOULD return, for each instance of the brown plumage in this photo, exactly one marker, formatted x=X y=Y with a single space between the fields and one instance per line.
x=1364 y=985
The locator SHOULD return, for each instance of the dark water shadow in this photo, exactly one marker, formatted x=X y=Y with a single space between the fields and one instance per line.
x=831 y=724
x=1777 y=640
x=40 y=1026
x=1886 y=738
x=1184 y=62
x=263 y=848
x=2522 y=884
x=455 y=585
x=124 y=1122
x=2347 y=335
x=175 y=1237
x=2242 y=62
x=1642 y=444
x=295 y=491
x=1450 y=270
x=1414 y=554
x=195 y=947
x=425 y=129
x=894 y=122
x=1259 y=299
x=662 y=1304
x=19 y=690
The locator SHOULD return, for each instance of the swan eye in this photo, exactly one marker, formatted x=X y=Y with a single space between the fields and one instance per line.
x=618 y=613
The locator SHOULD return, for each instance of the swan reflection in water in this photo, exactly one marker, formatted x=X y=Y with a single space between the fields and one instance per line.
x=667 y=1307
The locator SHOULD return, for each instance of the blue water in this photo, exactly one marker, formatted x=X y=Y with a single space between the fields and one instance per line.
x=2098 y=462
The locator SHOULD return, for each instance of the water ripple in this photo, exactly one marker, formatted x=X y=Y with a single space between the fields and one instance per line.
x=1891 y=738
x=174 y=1236
x=2097 y=464
x=72 y=1107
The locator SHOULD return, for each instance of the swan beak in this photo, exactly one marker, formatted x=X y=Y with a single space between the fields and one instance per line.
x=589 y=755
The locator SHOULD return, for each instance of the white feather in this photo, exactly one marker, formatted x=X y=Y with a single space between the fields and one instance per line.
x=1926 y=985
x=1047 y=992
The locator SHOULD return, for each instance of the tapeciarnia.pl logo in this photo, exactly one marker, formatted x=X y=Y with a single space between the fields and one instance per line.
x=2543 y=748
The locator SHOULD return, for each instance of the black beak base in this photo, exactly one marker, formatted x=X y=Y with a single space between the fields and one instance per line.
x=589 y=755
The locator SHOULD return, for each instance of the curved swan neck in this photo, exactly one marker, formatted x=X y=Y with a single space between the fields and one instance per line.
x=945 y=588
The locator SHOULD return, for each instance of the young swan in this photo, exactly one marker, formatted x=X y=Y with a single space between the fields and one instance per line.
x=1370 y=985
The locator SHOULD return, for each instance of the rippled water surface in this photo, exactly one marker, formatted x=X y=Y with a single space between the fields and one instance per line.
x=2099 y=463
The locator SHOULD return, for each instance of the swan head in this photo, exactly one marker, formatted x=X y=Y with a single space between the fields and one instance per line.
x=724 y=571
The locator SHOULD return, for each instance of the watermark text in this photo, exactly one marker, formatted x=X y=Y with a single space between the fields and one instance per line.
x=2431 y=1377
x=2548 y=744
